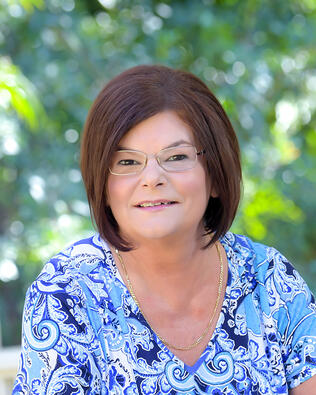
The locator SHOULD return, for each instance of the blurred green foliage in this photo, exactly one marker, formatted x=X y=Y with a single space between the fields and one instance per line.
x=259 y=58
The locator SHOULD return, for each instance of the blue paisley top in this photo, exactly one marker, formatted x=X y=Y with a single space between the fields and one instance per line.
x=84 y=334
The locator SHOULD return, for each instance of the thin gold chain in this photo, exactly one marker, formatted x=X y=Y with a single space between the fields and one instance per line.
x=206 y=330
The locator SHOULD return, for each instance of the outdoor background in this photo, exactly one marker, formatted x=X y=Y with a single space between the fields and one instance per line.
x=258 y=57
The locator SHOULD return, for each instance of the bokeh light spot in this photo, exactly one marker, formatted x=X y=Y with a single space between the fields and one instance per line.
x=74 y=175
x=164 y=10
x=8 y=270
x=108 y=3
x=16 y=228
x=71 y=135
x=36 y=188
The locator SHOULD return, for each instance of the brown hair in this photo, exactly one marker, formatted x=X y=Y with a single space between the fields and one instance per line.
x=137 y=94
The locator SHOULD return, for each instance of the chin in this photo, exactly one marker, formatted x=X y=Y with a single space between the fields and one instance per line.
x=156 y=234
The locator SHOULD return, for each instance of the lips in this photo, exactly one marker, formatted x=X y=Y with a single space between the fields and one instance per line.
x=155 y=203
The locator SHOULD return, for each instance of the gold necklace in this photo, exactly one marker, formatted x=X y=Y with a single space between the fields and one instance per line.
x=206 y=330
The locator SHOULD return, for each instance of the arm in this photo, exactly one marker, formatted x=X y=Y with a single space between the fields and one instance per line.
x=308 y=387
x=296 y=315
x=56 y=345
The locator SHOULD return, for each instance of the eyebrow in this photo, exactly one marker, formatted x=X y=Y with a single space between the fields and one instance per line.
x=175 y=144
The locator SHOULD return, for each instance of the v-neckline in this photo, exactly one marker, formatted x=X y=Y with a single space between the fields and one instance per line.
x=188 y=368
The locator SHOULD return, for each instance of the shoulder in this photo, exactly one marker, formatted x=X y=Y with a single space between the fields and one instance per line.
x=69 y=280
x=248 y=248
x=59 y=329
x=265 y=266
x=264 y=261
x=276 y=294
x=77 y=259
x=266 y=269
x=86 y=263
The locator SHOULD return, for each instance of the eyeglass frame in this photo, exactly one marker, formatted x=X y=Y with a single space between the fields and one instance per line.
x=197 y=153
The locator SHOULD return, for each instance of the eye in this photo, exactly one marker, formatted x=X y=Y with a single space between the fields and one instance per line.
x=128 y=162
x=177 y=157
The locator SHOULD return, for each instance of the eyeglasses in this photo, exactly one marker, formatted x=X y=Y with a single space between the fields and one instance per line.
x=174 y=159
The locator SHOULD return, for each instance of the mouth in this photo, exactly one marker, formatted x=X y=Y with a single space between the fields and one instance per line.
x=156 y=203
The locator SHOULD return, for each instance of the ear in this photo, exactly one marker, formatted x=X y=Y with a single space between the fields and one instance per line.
x=211 y=189
x=213 y=193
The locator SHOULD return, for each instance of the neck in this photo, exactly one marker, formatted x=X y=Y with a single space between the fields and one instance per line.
x=167 y=255
x=172 y=269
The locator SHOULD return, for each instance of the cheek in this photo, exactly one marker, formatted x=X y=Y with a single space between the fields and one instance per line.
x=200 y=185
x=196 y=190
x=208 y=186
x=210 y=190
x=113 y=192
x=118 y=191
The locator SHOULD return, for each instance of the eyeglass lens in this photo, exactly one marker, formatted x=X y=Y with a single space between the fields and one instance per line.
x=170 y=159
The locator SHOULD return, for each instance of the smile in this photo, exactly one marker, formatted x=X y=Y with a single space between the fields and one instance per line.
x=152 y=204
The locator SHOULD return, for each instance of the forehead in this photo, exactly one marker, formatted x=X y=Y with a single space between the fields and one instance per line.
x=157 y=132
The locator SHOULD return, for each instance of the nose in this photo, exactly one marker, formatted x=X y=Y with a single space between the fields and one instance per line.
x=153 y=174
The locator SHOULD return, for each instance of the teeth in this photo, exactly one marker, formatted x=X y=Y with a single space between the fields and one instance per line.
x=152 y=204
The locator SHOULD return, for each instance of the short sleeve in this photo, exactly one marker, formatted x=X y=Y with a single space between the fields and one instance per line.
x=295 y=311
x=58 y=346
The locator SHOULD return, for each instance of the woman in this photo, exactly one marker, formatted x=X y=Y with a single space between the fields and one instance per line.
x=164 y=299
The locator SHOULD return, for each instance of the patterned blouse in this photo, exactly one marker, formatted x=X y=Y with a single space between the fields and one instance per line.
x=84 y=334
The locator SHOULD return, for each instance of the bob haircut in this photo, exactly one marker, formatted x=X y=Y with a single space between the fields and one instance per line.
x=136 y=95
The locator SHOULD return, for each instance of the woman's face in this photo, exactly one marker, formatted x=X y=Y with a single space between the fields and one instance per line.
x=190 y=189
